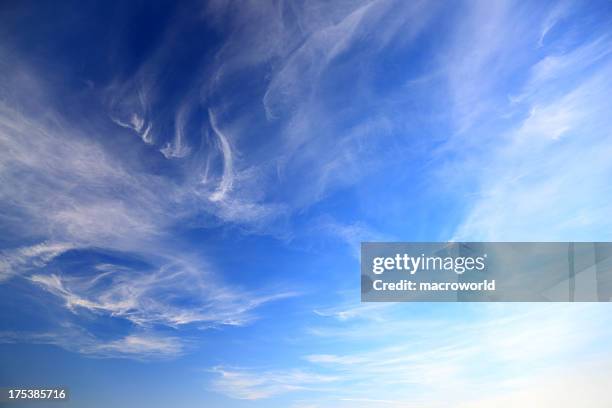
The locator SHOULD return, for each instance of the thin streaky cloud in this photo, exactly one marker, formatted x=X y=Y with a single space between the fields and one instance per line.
x=227 y=179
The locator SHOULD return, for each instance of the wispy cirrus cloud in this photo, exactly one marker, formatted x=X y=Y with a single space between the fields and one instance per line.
x=297 y=102
x=177 y=148
x=30 y=257
x=149 y=298
x=558 y=12
x=254 y=384
x=303 y=46
x=527 y=112
x=75 y=192
x=352 y=234
x=561 y=196
x=227 y=178
x=408 y=360
x=79 y=197
x=139 y=346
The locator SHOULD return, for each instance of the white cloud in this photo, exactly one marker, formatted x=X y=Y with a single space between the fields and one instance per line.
x=129 y=106
x=352 y=234
x=256 y=384
x=139 y=125
x=472 y=356
x=178 y=148
x=26 y=258
x=538 y=185
x=148 y=298
x=556 y=14
x=227 y=179
x=300 y=45
x=532 y=165
x=77 y=194
x=75 y=191
x=139 y=346
x=481 y=50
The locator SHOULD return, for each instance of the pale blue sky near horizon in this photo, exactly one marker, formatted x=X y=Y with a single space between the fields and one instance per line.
x=184 y=187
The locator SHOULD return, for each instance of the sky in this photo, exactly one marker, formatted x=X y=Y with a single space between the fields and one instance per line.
x=184 y=187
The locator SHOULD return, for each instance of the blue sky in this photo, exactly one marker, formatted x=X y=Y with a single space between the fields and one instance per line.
x=183 y=190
